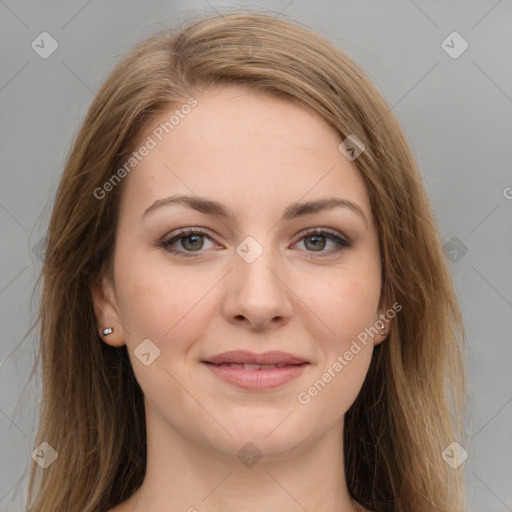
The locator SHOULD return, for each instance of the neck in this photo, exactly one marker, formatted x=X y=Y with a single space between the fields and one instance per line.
x=191 y=477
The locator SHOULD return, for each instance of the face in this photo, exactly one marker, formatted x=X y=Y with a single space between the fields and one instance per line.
x=257 y=272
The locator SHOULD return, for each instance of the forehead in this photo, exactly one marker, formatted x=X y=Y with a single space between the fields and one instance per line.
x=245 y=148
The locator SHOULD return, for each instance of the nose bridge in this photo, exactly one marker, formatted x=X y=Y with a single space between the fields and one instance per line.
x=257 y=289
x=256 y=266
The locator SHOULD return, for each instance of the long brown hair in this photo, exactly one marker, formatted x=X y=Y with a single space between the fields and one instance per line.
x=412 y=403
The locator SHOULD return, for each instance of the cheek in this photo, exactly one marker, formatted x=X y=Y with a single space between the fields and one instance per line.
x=156 y=303
x=345 y=306
x=336 y=385
x=346 y=309
x=358 y=304
x=342 y=364
x=166 y=310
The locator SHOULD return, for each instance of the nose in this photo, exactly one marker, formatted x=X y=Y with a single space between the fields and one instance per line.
x=257 y=293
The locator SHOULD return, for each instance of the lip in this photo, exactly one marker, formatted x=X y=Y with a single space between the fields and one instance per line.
x=257 y=379
x=243 y=356
x=290 y=367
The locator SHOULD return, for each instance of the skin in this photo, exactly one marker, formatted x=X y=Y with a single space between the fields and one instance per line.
x=255 y=154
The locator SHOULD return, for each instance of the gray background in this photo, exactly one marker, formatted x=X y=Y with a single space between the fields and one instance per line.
x=455 y=111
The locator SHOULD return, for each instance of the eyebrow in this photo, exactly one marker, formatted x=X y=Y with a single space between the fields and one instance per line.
x=293 y=211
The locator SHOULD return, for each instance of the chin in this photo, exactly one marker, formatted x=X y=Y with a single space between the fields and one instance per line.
x=268 y=436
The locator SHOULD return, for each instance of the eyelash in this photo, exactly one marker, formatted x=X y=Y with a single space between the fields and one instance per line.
x=184 y=233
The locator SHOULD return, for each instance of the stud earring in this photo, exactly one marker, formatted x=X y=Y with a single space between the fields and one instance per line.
x=383 y=333
x=107 y=331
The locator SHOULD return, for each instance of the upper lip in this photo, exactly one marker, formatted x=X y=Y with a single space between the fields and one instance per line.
x=243 y=356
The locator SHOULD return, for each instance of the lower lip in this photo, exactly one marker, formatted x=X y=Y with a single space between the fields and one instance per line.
x=257 y=379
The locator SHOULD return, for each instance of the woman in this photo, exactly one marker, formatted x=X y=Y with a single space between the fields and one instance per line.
x=246 y=303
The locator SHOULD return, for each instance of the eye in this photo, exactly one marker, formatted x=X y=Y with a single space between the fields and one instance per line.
x=315 y=239
x=191 y=240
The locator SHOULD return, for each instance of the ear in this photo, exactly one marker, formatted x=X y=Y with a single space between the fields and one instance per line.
x=106 y=310
x=383 y=322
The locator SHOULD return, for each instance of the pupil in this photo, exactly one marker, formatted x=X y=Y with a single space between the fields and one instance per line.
x=315 y=244
x=196 y=237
